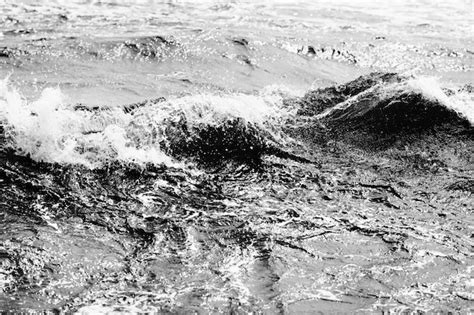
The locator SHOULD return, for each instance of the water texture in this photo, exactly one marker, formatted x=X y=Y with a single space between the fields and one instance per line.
x=277 y=157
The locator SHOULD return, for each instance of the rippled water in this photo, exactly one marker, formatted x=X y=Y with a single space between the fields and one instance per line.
x=235 y=157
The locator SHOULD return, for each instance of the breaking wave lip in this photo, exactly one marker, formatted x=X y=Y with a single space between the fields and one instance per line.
x=159 y=132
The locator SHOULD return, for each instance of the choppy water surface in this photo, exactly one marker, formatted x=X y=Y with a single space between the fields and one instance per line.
x=233 y=157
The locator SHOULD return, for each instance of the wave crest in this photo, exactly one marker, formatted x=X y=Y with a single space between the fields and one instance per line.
x=202 y=127
x=401 y=104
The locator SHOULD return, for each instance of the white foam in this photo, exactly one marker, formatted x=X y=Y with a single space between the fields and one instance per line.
x=48 y=129
x=117 y=138
x=214 y=109
x=460 y=102
x=347 y=103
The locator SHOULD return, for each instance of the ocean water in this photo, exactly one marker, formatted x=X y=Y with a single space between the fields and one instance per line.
x=272 y=157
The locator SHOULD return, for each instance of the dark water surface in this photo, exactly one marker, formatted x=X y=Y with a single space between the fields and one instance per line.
x=230 y=157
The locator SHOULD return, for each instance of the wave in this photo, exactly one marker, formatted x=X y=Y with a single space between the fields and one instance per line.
x=9 y=52
x=151 y=48
x=400 y=102
x=316 y=101
x=200 y=127
x=147 y=48
x=380 y=109
x=373 y=111
x=325 y=52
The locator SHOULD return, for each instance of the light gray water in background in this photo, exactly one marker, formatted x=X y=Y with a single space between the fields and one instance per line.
x=79 y=45
x=95 y=218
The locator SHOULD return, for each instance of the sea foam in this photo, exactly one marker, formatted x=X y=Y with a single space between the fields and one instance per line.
x=49 y=129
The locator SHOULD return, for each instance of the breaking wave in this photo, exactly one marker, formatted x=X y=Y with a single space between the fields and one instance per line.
x=158 y=131
x=376 y=110
x=213 y=127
